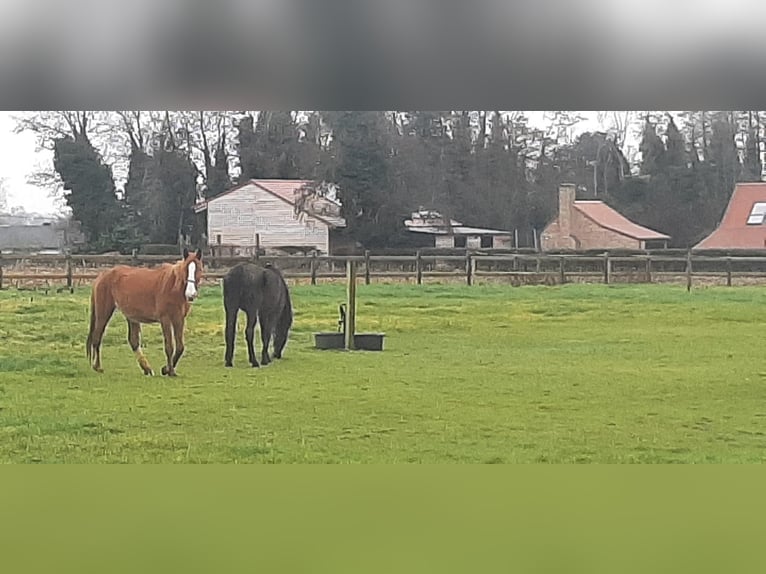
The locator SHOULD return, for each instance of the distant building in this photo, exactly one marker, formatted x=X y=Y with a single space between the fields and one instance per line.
x=595 y=225
x=265 y=212
x=31 y=233
x=455 y=234
x=742 y=226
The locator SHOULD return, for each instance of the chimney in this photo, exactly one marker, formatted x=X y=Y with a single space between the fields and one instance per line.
x=566 y=202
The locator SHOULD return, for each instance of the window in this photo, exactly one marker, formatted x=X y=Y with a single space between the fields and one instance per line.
x=486 y=242
x=757 y=214
x=460 y=241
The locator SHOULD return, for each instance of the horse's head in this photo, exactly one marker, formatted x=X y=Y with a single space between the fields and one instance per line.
x=192 y=265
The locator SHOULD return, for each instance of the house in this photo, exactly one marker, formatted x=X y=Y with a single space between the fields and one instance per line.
x=456 y=235
x=595 y=225
x=275 y=214
x=742 y=226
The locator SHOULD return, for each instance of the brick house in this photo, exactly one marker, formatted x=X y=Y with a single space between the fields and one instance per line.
x=594 y=225
x=743 y=225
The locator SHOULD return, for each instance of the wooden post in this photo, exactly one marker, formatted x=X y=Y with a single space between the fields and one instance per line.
x=1 y=274
x=689 y=270
x=728 y=271
x=470 y=268
x=419 y=268
x=350 y=304
x=537 y=265
x=607 y=268
x=366 y=266
x=314 y=268
x=257 y=247
x=69 y=272
x=516 y=238
x=562 y=276
x=649 y=269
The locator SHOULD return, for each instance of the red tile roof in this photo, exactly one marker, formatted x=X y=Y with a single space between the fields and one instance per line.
x=733 y=232
x=603 y=215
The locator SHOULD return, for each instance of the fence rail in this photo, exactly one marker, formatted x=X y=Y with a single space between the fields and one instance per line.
x=516 y=268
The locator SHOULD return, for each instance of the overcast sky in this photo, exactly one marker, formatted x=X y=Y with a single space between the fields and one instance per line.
x=18 y=158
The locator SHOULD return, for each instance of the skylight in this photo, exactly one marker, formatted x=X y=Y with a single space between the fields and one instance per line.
x=757 y=214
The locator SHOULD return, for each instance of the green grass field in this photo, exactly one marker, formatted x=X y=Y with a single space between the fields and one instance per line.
x=483 y=374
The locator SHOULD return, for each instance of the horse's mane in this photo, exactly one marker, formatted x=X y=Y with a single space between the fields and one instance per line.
x=174 y=275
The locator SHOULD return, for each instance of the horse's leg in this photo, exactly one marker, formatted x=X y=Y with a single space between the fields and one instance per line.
x=252 y=318
x=231 y=332
x=267 y=328
x=167 y=332
x=134 y=338
x=281 y=332
x=103 y=311
x=178 y=332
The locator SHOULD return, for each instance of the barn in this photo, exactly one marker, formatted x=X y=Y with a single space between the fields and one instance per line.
x=264 y=213
x=595 y=225
x=742 y=226
x=456 y=235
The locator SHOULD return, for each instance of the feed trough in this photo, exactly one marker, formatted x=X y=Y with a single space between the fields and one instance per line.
x=337 y=339
x=346 y=337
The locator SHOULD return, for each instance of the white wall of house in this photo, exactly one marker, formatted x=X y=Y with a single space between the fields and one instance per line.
x=472 y=241
x=238 y=216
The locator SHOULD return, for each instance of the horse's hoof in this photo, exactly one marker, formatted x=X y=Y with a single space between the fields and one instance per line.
x=165 y=371
x=229 y=365
x=149 y=373
x=98 y=369
x=255 y=365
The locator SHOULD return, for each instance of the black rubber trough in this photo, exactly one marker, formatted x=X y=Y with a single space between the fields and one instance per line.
x=362 y=341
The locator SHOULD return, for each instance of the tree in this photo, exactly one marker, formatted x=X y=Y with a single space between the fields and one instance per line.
x=652 y=149
x=91 y=191
x=675 y=155
x=363 y=174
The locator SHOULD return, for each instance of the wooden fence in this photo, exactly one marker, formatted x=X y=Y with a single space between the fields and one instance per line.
x=68 y=271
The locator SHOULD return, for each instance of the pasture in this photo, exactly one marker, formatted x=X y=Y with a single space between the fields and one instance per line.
x=482 y=374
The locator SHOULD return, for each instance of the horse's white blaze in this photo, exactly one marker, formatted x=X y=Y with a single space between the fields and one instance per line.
x=191 y=288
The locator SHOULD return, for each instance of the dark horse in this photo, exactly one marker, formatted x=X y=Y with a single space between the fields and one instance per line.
x=161 y=295
x=261 y=292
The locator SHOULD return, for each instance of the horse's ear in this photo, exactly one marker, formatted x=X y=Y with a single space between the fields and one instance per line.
x=186 y=253
x=199 y=254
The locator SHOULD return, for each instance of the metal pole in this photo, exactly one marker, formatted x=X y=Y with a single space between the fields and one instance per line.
x=350 y=304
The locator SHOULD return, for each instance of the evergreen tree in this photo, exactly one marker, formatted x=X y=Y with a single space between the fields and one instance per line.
x=91 y=190
x=374 y=215
x=675 y=147
x=652 y=150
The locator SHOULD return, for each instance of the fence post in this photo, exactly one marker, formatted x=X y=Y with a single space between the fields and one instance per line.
x=470 y=268
x=257 y=247
x=689 y=270
x=649 y=269
x=313 y=266
x=350 y=303
x=1 y=274
x=366 y=266
x=562 y=276
x=419 y=268
x=728 y=271
x=537 y=266
x=69 y=272
x=607 y=268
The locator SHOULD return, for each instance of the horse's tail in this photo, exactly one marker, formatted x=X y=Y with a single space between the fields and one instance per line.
x=89 y=340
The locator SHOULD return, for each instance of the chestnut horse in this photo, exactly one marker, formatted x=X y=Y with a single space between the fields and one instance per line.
x=161 y=295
